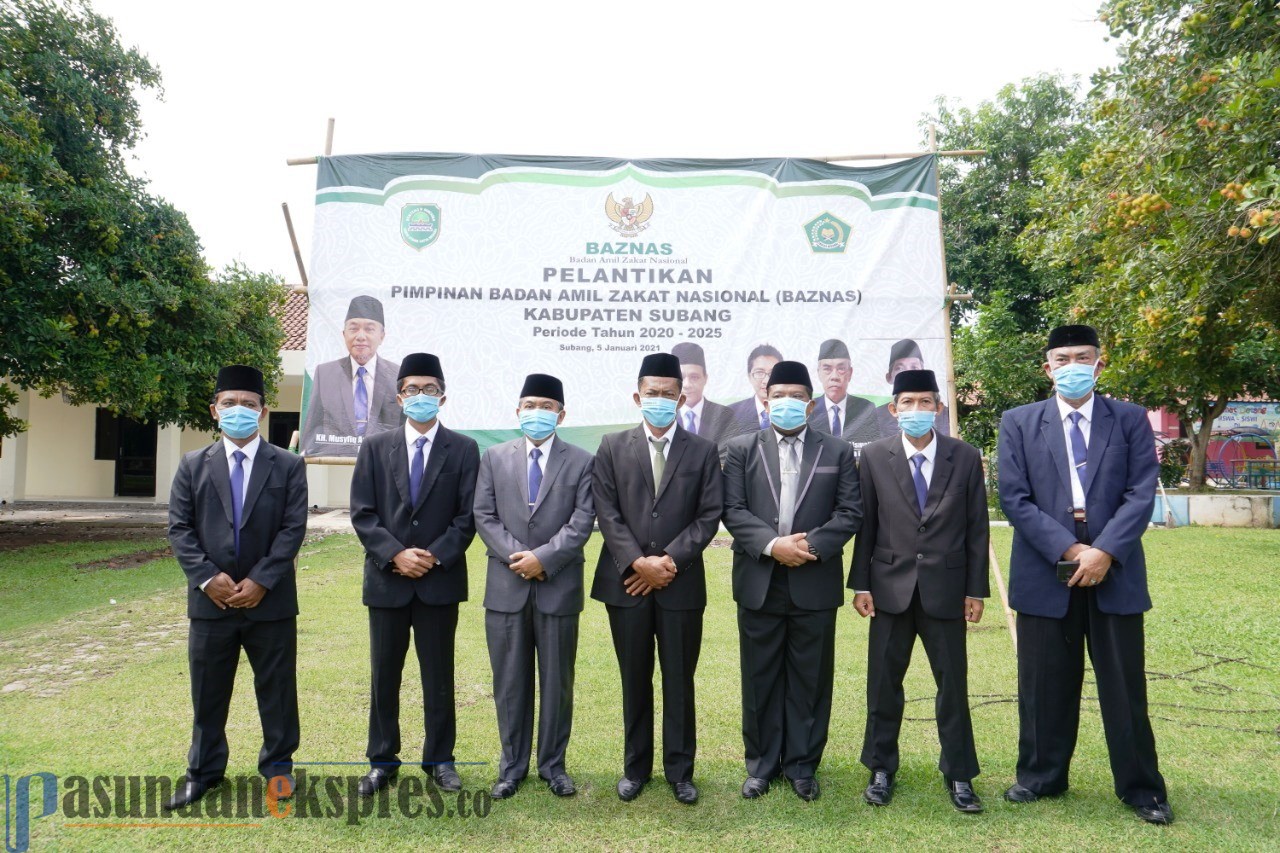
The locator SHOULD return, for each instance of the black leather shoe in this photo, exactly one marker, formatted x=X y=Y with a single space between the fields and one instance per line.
x=880 y=789
x=806 y=788
x=504 y=788
x=963 y=797
x=755 y=787
x=1158 y=813
x=562 y=785
x=629 y=789
x=685 y=793
x=446 y=777
x=188 y=792
x=1018 y=794
x=375 y=780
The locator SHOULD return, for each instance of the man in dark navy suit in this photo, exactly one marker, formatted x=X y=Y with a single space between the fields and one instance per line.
x=1077 y=482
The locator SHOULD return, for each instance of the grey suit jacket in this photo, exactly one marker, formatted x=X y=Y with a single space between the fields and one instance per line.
x=331 y=409
x=828 y=509
x=858 y=424
x=554 y=529
x=273 y=523
x=679 y=521
x=943 y=550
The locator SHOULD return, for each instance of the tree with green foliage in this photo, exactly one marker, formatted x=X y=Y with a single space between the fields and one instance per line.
x=986 y=204
x=1169 y=222
x=104 y=295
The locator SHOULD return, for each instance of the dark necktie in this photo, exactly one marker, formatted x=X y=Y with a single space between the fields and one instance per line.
x=690 y=422
x=835 y=420
x=362 y=402
x=237 y=494
x=764 y=419
x=1079 y=450
x=922 y=488
x=415 y=471
x=535 y=475
x=659 y=462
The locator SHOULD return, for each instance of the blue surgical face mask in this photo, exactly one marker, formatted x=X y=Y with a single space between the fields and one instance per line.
x=788 y=413
x=1074 y=380
x=421 y=408
x=238 y=421
x=916 y=424
x=658 y=411
x=538 y=423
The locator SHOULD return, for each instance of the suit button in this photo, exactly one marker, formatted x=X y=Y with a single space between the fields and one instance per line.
x=921 y=529
x=655 y=515
x=653 y=544
x=919 y=556
x=775 y=519
x=531 y=524
x=415 y=522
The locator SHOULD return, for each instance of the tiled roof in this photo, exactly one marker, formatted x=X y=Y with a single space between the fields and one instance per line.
x=294 y=322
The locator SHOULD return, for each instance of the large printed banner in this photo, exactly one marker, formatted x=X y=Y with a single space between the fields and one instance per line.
x=578 y=267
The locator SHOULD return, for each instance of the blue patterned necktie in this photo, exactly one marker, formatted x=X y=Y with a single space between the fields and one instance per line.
x=922 y=488
x=764 y=419
x=535 y=475
x=835 y=421
x=362 y=402
x=690 y=422
x=415 y=471
x=1079 y=450
x=237 y=495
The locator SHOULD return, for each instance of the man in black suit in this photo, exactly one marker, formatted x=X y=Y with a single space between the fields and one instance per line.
x=412 y=494
x=699 y=415
x=791 y=502
x=657 y=496
x=751 y=413
x=905 y=355
x=920 y=570
x=237 y=517
x=838 y=412
x=355 y=395
x=534 y=513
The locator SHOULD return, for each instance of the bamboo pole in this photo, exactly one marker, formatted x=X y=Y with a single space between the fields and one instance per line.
x=293 y=240
x=328 y=139
x=1004 y=596
x=906 y=155
x=330 y=460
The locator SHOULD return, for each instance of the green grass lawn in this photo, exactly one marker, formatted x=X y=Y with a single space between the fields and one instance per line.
x=103 y=690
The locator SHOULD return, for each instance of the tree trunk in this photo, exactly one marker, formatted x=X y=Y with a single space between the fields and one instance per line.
x=1199 y=440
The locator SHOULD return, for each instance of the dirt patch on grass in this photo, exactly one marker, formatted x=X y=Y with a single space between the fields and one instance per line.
x=21 y=534
x=125 y=561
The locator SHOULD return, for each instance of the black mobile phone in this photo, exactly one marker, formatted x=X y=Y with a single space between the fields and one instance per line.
x=1067 y=569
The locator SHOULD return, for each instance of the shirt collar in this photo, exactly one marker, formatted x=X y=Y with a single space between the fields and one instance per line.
x=799 y=437
x=545 y=447
x=669 y=435
x=1086 y=408
x=697 y=410
x=930 y=449
x=370 y=368
x=411 y=435
x=250 y=450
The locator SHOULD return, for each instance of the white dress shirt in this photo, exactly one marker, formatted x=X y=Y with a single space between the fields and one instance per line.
x=250 y=450
x=799 y=437
x=545 y=447
x=667 y=436
x=1086 y=412
x=370 y=369
x=411 y=435
x=697 y=416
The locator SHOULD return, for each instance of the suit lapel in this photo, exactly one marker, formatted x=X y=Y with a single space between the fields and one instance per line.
x=520 y=471
x=262 y=465
x=901 y=466
x=398 y=462
x=942 y=468
x=555 y=461
x=220 y=472
x=808 y=464
x=767 y=445
x=1055 y=438
x=348 y=394
x=679 y=440
x=640 y=446
x=1099 y=436
x=435 y=462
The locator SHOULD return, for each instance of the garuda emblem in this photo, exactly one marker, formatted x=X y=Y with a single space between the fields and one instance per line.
x=628 y=217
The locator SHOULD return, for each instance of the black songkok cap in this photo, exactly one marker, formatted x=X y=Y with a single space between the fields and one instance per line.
x=833 y=348
x=792 y=373
x=905 y=348
x=420 y=364
x=914 y=380
x=690 y=354
x=365 y=308
x=240 y=377
x=543 y=385
x=1073 y=336
x=661 y=365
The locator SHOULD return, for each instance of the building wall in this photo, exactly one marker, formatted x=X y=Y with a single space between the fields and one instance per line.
x=60 y=461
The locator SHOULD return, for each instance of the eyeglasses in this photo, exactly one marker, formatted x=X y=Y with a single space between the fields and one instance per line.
x=429 y=390
x=757 y=375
